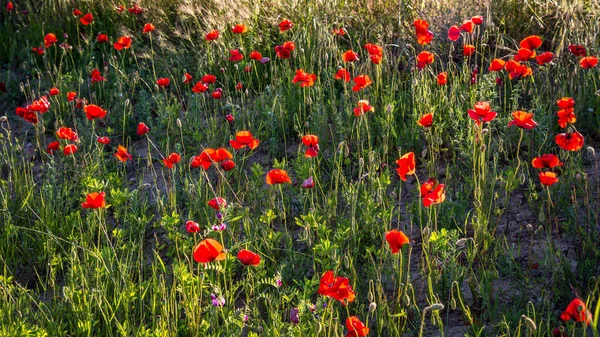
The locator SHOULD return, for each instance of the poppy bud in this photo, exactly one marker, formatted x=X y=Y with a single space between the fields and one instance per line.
x=591 y=151
x=229 y=118
x=3 y=119
x=578 y=177
x=529 y=227
x=179 y=123
x=461 y=243
x=453 y=303
x=406 y=300
x=425 y=232
x=435 y=307
x=529 y=322
x=485 y=131
x=372 y=307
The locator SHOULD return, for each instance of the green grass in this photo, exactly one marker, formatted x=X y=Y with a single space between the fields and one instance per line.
x=500 y=253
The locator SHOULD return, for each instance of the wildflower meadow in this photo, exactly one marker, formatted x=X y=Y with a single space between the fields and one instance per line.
x=299 y=168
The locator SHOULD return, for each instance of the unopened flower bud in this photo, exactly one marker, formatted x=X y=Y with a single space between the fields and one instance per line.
x=372 y=307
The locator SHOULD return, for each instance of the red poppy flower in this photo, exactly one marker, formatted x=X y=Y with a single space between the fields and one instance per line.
x=87 y=19
x=336 y=287
x=426 y=121
x=248 y=258
x=93 y=111
x=103 y=140
x=577 y=50
x=76 y=12
x=363 y=106
x=256 y=56
x=124 y=42
x=424 y=35
x=94 y=200
x=278 y=176
x=208 y=250
x=468 y=50
x=442 y=78
x=570 y=141
x=577 y=311
x=67 y=133
x=212 y=35
x=482 y=112
x=432 y=193
x=544 y=58
x=27 y=114
x=282 y=53
x=548 y=178
x=50 y=39
x=284 y=25
x=122 y=154
x=396 y=240
x=523 y=119
x=235 y=55
x=192 y=227
x=71 y=96
x=228 y=165
x=361 y=82
x=163 y=82
x=52 y=147
x=546 y=161
x=95 y=76
x=524 y=54
x=406 y=165
x=187 y=78
x=209 y=78
x=342 y=74
x=9 y=6
x=101 y=38
x=289 y=46
x=217 y=94
x=148 y=28
x=355 y=327
x=53 y=91
x=305 y=79
x=39 y=51
x=136 y=10
x=588 y=62
x=217 y=203
x=239 y=29
x=374 y=50
x=243 y=139
x=120 y=8
x=531 y=42
x=210 y=155
x=349 y=56
x=312 y=144
x=142 y=129
x=520 y=71
x=200 y=87
x=565 y=103
x=41 y=105
x=566 y=116
x=454 y=33
x=468 y=26
x=338 y=31
x=70 y=149
x=424 y=58
x=477 y=20
x=171 y=160
x=497 y=65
